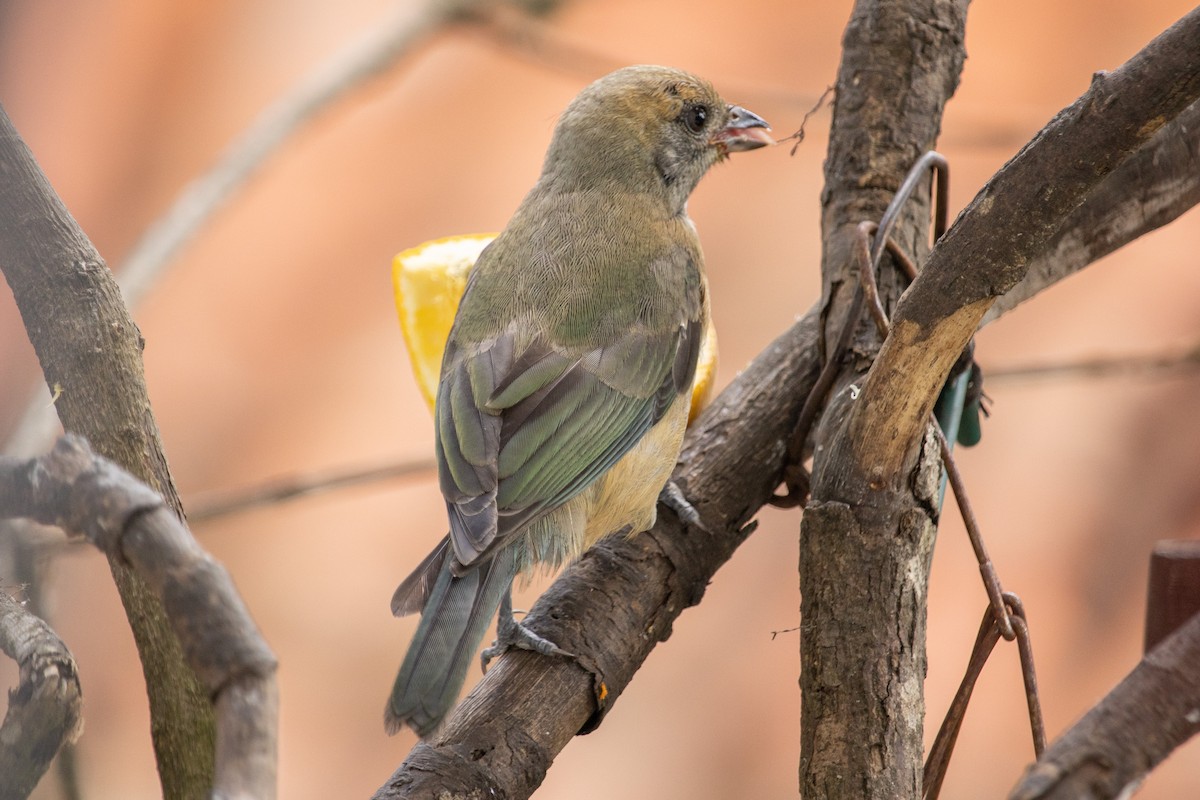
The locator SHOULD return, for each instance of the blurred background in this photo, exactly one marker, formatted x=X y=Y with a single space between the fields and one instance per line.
x=272 y=349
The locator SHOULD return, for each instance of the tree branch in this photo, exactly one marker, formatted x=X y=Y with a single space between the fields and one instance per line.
x=91 y=496
x=90 y=350
x=864 y=558
x=44 y=710
x=1151 y=188
x=622 y=597
x=1129 y=732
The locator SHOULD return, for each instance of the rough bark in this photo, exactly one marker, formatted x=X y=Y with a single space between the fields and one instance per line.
x=91 y=496
x=864 y=554
x=862 y=701
x=861 y=735
x=90 y=352
x=1013 y=219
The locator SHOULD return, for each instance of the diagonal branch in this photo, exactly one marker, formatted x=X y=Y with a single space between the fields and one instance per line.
x=1150 y=189
x=1150 y=713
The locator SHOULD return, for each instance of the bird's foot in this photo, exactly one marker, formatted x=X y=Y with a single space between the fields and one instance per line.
x=672 y=497
x=510 y=633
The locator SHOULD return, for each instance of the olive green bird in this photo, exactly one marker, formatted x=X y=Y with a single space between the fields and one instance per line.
x=565 y=382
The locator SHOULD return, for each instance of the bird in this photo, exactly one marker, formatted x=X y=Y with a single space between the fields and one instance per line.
x=565 y=383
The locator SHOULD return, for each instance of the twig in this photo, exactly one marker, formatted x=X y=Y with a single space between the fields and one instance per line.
x=222 y=502
x=1150 y=364
x=90 y=496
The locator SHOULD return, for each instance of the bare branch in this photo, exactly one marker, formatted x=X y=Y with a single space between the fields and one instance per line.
x=1129 y=732
x=44 y=710
x=88 y=495
x=1150 y=189
x=622 y=597
x=377 y=51
x=864 y=559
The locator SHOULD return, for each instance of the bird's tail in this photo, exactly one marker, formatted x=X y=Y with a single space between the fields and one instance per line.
x=457 y=612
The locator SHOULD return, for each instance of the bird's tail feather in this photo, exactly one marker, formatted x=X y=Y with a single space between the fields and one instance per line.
x=456 y=616
x=413 y=592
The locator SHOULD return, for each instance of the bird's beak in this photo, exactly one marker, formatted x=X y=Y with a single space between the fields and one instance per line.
x=745 y=130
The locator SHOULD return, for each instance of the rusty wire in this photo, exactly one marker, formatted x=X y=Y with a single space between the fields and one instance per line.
x=989 y=634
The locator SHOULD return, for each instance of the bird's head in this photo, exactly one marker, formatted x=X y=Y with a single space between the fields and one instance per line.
x=648 y=129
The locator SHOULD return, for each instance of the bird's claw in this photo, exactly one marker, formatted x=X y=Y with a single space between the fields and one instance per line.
x=514 y=634
x=672 y=497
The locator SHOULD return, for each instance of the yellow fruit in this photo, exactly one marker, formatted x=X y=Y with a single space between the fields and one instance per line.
x=429 y=281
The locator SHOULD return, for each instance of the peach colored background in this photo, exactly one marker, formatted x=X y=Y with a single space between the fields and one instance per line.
x=272 y=348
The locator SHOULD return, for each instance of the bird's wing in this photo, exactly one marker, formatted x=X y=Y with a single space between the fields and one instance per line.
x=523 y=428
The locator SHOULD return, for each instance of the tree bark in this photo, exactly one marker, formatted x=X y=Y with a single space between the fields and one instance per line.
x=1150 y=189
x=865 y=547
x=90 y=352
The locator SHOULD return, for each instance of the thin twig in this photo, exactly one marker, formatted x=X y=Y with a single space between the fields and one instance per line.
x=526 y=37
x=1144 y=365
x=222 y=502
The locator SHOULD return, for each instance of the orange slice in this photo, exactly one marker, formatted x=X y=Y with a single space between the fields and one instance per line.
x=429 y=281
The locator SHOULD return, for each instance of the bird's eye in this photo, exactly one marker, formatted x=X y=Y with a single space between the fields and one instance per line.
x=695 y=117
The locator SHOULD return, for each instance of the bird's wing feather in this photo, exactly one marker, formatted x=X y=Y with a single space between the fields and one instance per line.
x=520 y=433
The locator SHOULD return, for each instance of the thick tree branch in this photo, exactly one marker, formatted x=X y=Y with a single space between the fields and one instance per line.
x=864 y=565
x=613 y=606
x=91 y=496
x=1130 y=731
x=1150 y=189
x=44 y=710
x=988 y=249
x=90 y=352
